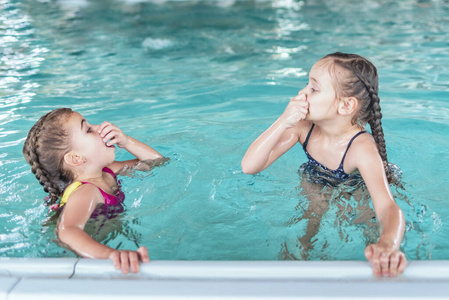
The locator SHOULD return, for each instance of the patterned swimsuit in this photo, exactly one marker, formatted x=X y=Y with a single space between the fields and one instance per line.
x=320 y=174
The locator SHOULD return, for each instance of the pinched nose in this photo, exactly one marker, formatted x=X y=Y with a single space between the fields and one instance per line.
x=95 y=127
x=302 y=95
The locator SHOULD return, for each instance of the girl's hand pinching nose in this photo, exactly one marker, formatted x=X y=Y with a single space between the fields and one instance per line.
x=296 y=110
x=111 y=135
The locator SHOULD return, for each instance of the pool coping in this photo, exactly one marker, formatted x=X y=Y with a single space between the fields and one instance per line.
x=72 y=278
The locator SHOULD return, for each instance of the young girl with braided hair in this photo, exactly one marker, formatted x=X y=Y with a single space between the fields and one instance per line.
x=328 y=118
x=74 y=160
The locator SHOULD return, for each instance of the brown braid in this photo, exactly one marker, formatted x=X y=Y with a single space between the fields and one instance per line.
x=362 y=83
x=44 y=149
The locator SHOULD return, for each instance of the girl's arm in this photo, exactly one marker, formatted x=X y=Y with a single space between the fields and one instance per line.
x=385 y=256
x=70 y=231
x=113 y=135
x=282 y=135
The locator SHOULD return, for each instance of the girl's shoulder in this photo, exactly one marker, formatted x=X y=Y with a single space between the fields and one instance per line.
x=363 y=150
x=363 y=142
x=81 y=194
x=79 y=207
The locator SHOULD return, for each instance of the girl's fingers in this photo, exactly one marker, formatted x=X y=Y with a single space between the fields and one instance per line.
x=385 y=263
x=394 y=263
x=129 y=260
x=103 y=126
x=299 y=97
x=124 y=262
x=377 y=270
x=106 y=128
x=134 y=261
x=397 y=263
x=369 y=252
x=402 y=263
x=143 y=254
x=115 y=257
x=110 y=136
x=374 y=257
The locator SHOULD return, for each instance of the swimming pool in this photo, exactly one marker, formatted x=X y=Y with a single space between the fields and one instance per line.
x=199 y=81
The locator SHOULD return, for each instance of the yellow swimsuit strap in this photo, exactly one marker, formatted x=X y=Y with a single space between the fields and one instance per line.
x=68 y=191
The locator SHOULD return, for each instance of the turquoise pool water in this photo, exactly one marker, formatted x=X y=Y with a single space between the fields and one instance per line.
x=199 y=81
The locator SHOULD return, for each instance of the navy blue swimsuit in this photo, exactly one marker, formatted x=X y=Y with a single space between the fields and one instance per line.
x=323 y=174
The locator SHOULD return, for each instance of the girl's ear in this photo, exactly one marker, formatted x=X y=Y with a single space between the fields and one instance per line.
x=347 y=105
x=73 y=159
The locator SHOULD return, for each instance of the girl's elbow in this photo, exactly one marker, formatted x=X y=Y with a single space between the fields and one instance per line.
x=61 y=233
x=248 y=169
x=64 y=234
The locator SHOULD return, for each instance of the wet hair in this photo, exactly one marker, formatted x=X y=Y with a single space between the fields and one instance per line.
x=44 y=149
x=360 y=81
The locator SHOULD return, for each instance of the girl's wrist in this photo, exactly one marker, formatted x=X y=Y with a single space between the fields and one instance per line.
x=282 y=123
x=128 y=142
x=387 y=243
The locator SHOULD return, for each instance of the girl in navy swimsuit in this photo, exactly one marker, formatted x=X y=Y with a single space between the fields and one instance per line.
x=75 y=162
x=328 y=117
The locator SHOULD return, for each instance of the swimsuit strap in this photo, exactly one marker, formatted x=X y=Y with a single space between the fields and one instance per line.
x=72 y=187
x=349 y=145
x=107 y=170
x=68 y=191
x=304 y=145
x=108 y=198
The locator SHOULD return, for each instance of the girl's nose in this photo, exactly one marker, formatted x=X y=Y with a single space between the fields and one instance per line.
x=95 y=127
x=303 y=92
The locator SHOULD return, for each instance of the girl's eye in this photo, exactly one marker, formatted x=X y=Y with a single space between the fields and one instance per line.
x=312 y=88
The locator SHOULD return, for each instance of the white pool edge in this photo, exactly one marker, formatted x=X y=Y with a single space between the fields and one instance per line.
x=71 y=278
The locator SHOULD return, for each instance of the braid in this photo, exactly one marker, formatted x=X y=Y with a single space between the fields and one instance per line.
x=36 y=168
x=375 y=123
x=44 y=149
x=373 y=116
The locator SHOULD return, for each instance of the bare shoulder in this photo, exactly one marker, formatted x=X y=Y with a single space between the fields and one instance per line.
x=85 y=195
x=79 y=207
x=363 y=153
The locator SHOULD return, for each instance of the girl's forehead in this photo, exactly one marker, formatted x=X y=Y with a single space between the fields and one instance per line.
x=321 y=66
x=74 y=120
x=321 y=72
x=76 y=117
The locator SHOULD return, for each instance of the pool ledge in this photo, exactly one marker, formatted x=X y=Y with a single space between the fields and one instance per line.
x=71 y=278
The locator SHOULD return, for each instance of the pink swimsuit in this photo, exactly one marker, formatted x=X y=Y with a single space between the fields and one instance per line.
x=108 y=198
